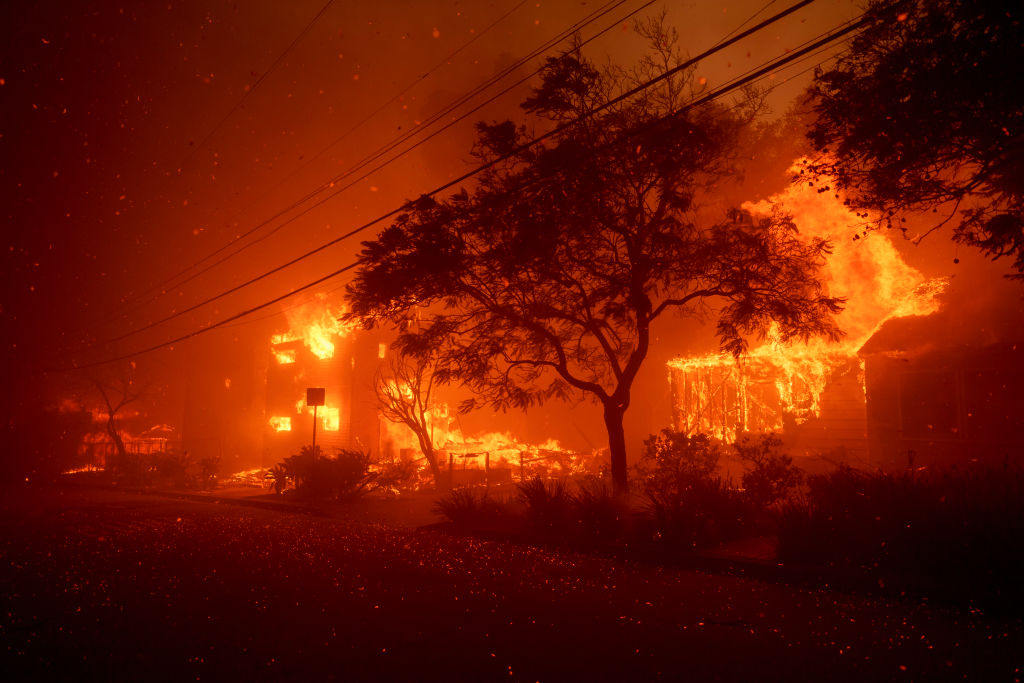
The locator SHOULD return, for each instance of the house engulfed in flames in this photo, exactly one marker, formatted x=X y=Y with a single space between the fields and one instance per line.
x=815 y=398
x=860 y=399
x=320 y=350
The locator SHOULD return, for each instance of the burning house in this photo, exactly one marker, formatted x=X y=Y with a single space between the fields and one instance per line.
x=816 y=394
x=814 y=397
x=319 y=350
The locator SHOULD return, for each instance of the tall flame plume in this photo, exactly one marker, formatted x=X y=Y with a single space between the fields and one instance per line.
x=775 y=383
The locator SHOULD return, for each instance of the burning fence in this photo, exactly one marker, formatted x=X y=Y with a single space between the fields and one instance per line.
x=489 y=457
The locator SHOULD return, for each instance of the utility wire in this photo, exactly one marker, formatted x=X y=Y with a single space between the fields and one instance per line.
x=613 y=25
x=382 y=150
x=238 y=105
x=773 y=86
x=749 y=19
x=409 y=87
x=351 y=130
x=221 y=323
x=469 y=174
x=302 y=302
x=737 y=83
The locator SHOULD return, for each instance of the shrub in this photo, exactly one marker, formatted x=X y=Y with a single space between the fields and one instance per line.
x=704 y=514
x=675 y=459
x=688 y=503
x=208 y=468
x=771 y=476
x=295 y=468
x=597 y=513
x=849 y=517
x=958 y=528
x=342 y=476
x=395 y=477
x=128 y=469
x=173 y=469
x=548 y=505
x=279 y=474
x=464 y=507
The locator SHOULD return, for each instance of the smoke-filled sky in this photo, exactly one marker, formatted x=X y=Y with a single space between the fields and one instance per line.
x=140 y=138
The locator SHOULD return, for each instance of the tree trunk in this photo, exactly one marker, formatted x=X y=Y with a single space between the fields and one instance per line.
x=439 y=482
x=613 y=415
x=427 y=447
x=116 y=438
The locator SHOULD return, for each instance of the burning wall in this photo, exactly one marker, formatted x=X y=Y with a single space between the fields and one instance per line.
x=795 y=393
x=491 y=457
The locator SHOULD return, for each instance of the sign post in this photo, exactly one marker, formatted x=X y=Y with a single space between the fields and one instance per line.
x=315 y=397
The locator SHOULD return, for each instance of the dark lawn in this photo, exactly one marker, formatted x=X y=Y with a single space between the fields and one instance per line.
x=115 y=586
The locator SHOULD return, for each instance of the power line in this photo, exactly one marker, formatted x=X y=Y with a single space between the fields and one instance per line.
x=351 y=184
x=737 y=83
x=302 y=302
x=749 y=19
x=355 y=127
x=775 y=85
x=412 y=84
x=222 y=323
x=238 y=105
x=381 y=151
x=614 y=24
x=521 y=148
x=806 y=57
x=395 y=142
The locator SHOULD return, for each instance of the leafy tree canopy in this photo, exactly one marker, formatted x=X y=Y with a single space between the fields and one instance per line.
x=545 y=278
x=925 y=113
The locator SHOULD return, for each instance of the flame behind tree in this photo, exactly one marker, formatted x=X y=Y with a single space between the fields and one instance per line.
x=117 y=389
x=546 y=279
x=867 y=271
x=779 y=383
x=404 y=396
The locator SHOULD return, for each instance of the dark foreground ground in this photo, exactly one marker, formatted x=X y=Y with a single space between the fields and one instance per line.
x=114 y=586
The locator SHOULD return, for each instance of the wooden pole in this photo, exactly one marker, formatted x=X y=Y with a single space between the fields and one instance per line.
x=314 y=433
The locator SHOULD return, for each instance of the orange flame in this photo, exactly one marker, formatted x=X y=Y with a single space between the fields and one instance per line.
x=868 y=270
x=716 y=395
x=490 y=449
x=281 y=424
x=327 y=415
x=284 y=356
x=316 y=325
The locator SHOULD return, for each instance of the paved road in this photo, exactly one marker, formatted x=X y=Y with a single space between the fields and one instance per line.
x=112 y=586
